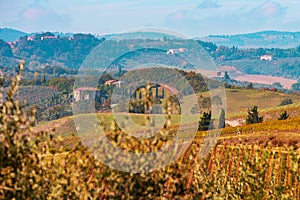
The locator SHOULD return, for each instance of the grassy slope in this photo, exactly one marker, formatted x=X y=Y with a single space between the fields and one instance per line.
x=239 y=100
x=237 y=103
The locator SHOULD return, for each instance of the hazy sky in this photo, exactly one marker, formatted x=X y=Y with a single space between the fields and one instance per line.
x=190 y=17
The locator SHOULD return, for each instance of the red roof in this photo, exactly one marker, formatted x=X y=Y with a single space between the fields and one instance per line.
x=86 y=89
x=49 y=37
x=110 y=82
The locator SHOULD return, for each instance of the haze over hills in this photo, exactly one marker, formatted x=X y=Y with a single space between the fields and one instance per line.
x=9 y=35
x=264 y=39
x=68 y=51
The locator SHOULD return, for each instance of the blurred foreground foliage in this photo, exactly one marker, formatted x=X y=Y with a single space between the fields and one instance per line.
x=34 y=166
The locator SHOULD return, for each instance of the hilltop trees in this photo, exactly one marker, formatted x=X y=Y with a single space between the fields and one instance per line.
x=253 y=116
x=68 y=51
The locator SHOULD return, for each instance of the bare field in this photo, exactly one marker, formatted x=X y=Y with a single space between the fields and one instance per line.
x=286 y=83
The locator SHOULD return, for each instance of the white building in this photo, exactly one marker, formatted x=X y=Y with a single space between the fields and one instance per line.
x=175 y=51
x=266 y=57
x=114 y=82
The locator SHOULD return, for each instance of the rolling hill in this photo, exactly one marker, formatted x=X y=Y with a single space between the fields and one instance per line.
x=264 y=39
x=9 y=35
x=238 y=101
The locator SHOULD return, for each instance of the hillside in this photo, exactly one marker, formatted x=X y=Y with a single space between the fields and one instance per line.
x=238 y=101
x=9 y=35
x=265 y=39
x=47 y=49
x=68 y=51
x=280 y=67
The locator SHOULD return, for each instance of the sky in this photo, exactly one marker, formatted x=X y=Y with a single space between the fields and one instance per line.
x=195 y=18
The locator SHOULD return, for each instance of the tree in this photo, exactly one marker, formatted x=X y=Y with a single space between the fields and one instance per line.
x=204 y=123
x=222 y=119
x=253 y=116
x=286 y=102
x=249 y=86
x=283 y=116
x=226 y=76
x=277 y=85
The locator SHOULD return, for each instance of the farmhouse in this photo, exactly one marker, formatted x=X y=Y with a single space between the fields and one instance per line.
x=158 y=91
x=266 y=57
x=48 y=37
x=85 y=93
x=30 y=38
x=175 y=51
x=114 y=82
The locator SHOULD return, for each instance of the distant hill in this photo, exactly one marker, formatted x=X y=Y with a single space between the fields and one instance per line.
x=9 y=35
x=264 y=39
x=69 y=50
x=142 y=35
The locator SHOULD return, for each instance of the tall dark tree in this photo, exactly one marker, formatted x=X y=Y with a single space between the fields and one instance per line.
x=222 y=119
x=253 y=116
x=226 y=76
x=205 y=121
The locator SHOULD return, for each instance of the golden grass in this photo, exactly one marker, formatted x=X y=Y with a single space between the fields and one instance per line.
x=239 y=100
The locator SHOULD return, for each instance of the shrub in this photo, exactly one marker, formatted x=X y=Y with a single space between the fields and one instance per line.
x=22 y=175
x=283 y=116
x=286 y=102
x=253 y=116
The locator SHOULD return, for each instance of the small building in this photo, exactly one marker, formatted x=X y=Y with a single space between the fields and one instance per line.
x=175 y=51
x=85 y=93
x=12 y=44
x=159 y=91
x=30 y=38
x=114 y=82
x=48 y=37
x=266 y=57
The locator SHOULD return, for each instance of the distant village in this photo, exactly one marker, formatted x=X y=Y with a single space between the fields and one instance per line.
x=39 y=37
